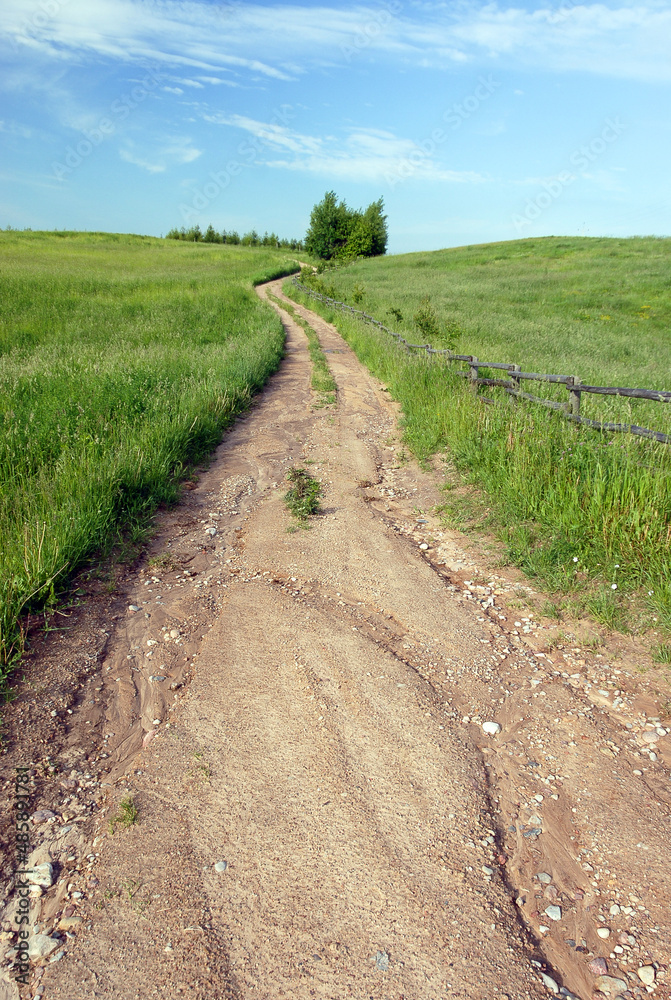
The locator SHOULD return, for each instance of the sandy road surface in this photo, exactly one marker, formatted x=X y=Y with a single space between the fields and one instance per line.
x=327 y=745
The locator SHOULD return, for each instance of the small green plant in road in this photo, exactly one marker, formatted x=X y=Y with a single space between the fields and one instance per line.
x=127 y=815
x=302 y=497
x=131 y=888
x=203 y=768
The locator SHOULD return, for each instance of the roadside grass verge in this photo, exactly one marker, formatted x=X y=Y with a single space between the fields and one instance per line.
x=322 y=380
x=122 y=360
x=587 y=514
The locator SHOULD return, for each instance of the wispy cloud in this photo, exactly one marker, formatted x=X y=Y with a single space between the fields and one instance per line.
x=175 y=151
x=272 y=135
x=360 y=155
x=130 y=157
x=282 y=41
x=16 y=128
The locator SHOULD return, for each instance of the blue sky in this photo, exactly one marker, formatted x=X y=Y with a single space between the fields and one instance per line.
x=475 y=122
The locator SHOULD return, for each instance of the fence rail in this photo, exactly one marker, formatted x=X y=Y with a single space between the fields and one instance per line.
x=570 y=409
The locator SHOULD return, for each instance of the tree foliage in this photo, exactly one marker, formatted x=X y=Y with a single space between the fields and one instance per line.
x=342 y=233
x=250 y=239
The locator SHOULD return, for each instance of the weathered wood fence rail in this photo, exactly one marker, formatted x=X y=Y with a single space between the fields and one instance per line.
x=569 y=409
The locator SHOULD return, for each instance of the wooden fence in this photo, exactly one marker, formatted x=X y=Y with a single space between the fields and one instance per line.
x=512 y=384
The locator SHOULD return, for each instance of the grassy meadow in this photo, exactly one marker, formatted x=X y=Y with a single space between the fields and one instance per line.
x=586 y=512
x=122 y=360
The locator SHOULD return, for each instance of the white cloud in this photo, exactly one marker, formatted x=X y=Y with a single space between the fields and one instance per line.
x=130 y=157
x=16 y=128
x=272 y=135
x=168 y=152
x=216 y=81
x=363 y=154
x=173 y=90
x=282 y=41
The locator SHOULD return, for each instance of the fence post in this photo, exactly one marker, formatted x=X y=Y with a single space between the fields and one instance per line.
x=516 y=382
x=574 y=397
x=473 y=374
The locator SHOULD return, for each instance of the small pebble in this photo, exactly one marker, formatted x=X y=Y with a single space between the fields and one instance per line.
x=646 y=974
x=221 y=866
x=549 y=982
x=610 y=985
x=491 y=728
x=603 y=933
x=553 y=912
x=381 y=959
x=133 y=608
x=544 y=878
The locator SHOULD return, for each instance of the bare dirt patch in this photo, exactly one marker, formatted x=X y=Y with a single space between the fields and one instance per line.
x=298 y=718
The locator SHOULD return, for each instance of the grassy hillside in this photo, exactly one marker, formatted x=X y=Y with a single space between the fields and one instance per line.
x=588 y=513
x=596 y=308
x=122 y=358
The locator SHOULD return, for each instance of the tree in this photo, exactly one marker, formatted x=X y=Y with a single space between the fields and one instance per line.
x=329 y=227
x=344 y=233
x=376 y=223
x=359 y=242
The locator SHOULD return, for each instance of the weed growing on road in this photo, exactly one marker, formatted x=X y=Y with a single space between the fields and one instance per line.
x=302 y=497
x=126 y=816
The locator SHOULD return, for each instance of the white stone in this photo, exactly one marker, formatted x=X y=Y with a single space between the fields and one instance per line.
x=553 y=912
x=603 y=933
x=41 y=945
x=42 y=875
x=610 y=985
x=646 y=974
x=491 y=728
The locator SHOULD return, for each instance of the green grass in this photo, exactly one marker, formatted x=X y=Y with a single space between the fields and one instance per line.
x=126 y=816
x=122 y=360
x=596 y=308
x=578 y=509
x=302 y=497
x=322 y=380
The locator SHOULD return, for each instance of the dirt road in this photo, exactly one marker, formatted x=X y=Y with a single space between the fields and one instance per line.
x=298 y=717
